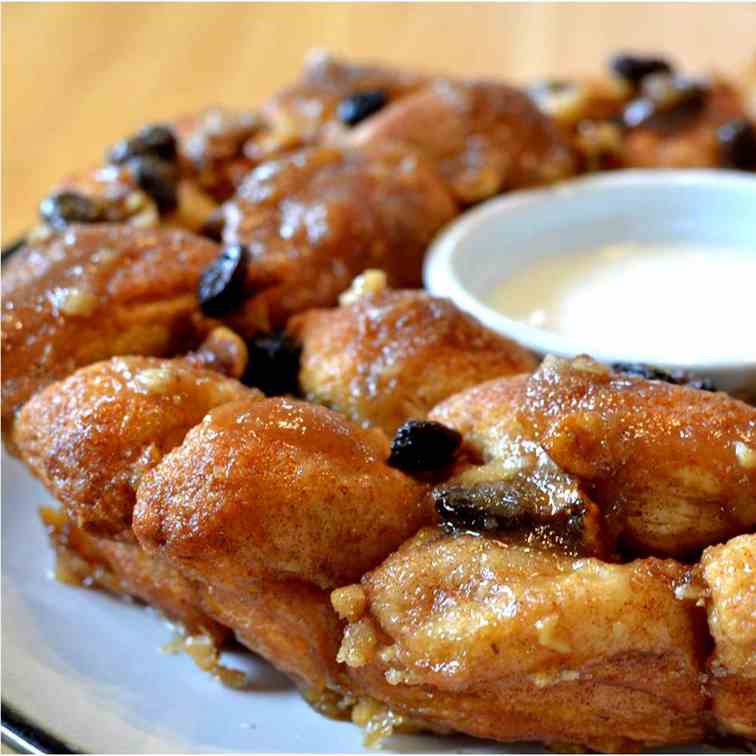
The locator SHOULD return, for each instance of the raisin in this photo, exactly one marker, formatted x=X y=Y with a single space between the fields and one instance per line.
x=212 y=228
x=423 y=445
x=360 y=105
x=519 y=506
x=651 y=373
x=634 y=68
x=221 y=286
x=153 y=141
x=668 y=105
x=737 y=145
x=157 y=178
x=61 y=209
x=273 y=364
x=472 y=508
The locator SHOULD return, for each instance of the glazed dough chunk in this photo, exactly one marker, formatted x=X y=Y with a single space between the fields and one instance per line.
x=673 y=467
x=124 y=568
x=91 y=437
x=504 y=641
x=729 y=573
x=316 y=218
x=277 y=487
x=91 y=292
x=290 y=623
x=307 y=111
x=392 y=355
x=486 y=415
x=272 y=503
x=483 y=137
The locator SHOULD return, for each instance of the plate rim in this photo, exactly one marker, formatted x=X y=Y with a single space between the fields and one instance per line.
x=19 y=732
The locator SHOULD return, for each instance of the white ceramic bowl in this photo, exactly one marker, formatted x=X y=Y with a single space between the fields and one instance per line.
x=490 y=242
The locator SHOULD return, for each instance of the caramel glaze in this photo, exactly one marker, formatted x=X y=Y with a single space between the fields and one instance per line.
x=271 y=504
x=125 y=569
x=392 y=355
x=668 y=466
x=91 y=437
x=315 y=218
x=530 y=495
x=503 y=640
x=91 y=292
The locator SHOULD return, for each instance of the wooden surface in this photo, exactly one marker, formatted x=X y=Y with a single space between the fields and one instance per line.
x=77 y=77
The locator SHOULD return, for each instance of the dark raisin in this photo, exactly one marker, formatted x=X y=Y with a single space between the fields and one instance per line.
x=737 y=145
x=634 y=68
x=273 y=364
x=519 y=506
x=651 y=373
x=670 y=105
x=423 y=445
x=221 y=286
x=360 y=105
x=212 y=228
x=157 y=178
x=58 y=210
x=501 y=505
x=461 y=508
x=154 y=141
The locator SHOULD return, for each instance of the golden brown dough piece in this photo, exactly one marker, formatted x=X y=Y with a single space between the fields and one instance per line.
x=674 y=467
x=272 y=504
x=392 y=355
x=671 y=467
x=91 y=437
x=483 y=137
x=307 y=111
x=729 y=575
x=91 y=292
x=316 y=218
x=508 y=642
x=124 y=568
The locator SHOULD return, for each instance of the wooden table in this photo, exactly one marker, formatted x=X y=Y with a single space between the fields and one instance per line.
x=77 y=77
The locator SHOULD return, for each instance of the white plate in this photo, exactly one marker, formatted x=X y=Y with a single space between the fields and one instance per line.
x=87 y=668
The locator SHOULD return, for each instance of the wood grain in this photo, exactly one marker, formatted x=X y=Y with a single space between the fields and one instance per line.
x=77 y=77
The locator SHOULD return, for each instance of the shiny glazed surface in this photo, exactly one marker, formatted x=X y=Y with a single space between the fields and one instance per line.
x=91 y=292
x=499 y=639
x=392 y=355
